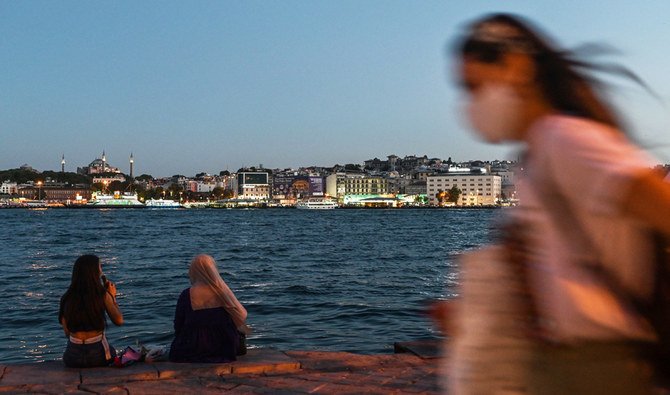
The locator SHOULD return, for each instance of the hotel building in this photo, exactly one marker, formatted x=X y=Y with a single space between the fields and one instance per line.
x=477 y=189
x=340 y=184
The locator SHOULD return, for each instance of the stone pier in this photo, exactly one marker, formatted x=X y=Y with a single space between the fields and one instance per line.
x=412 y=369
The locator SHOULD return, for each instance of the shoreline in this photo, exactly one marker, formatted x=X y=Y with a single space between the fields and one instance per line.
x=255 y=208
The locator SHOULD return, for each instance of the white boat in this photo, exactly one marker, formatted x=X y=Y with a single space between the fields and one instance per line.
x=160 y=203
x=317 y=204
x=117 y=200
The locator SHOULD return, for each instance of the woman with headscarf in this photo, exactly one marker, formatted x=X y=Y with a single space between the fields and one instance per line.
x=209 y=319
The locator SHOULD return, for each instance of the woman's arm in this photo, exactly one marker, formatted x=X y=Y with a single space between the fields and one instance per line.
x=63 y=323
x=648 y=200
x=111 y=306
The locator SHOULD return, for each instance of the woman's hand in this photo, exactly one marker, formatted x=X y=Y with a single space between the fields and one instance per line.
x=111 y=289
x=111 y=305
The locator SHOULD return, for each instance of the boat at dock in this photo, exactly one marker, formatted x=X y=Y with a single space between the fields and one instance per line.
x=317 y=204
x=116 y=200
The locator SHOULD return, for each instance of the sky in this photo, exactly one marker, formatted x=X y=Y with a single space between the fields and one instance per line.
x=206 y=86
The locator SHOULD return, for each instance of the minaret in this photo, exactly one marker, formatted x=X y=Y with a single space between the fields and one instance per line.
x=132 y=161
x=104 y=162
x=62 y=164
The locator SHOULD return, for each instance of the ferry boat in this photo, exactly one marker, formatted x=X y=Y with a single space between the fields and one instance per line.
x=162 y=204
x=317 y=204
x=117 y=200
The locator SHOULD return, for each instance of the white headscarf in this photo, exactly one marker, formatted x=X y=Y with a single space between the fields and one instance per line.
x=203 y=270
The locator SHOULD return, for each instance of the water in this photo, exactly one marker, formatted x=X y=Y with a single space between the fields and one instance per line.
x=341 y=280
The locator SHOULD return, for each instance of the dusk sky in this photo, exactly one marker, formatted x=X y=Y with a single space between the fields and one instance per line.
x=205 y=86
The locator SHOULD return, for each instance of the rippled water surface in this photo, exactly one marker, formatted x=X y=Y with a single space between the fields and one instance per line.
x=345 y=280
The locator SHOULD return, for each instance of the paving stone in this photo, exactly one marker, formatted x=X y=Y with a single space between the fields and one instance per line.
x=244 y=390
x=256 y=361
x=52 y=372
x=175 y=386
x=259 y=361
x=111 y=375
x=332 y=361
x=104 y=389
x=286 y=384
x=348 y=388
x=260 y=372
x=46 y=389
x=172 y=370
x=326 y=377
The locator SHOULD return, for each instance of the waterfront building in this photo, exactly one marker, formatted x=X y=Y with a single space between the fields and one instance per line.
x=371 y=201
x=296 y=186
x=9 y=188
x=339 y=185
x=477 y=188
x=398 y=184
x=508 y=189
x=199 y=186
x=55 y=194
x=253 y=185
x=417 y=187
x=228 y=183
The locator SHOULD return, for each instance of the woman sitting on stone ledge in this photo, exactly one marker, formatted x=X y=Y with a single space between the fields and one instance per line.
x=82 y=315
x=209 y=319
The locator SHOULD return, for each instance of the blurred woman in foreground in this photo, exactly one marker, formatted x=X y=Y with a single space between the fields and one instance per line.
x=82 y=315
x=588 y=196
x=209 y=319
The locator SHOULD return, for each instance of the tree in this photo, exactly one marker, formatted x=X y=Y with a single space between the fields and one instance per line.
x=116 y=186
x=144 y=177
x=67 y=178
x=352 y=167
x=441 y=196
x=218 y=192
x=224 y=173
x=228 y=194
x=174 y=189
x=454 y=194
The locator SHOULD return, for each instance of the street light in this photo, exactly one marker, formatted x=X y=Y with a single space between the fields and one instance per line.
x=39 y=190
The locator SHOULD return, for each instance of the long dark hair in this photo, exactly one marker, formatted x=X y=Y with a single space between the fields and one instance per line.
x=564 y=81
x=83 y=304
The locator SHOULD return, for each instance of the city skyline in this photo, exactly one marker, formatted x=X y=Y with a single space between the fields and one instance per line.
x=128 y=169
x=211 y=86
